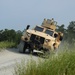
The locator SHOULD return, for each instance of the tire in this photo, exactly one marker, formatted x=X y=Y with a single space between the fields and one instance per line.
x=22 y=47
x=31 y=48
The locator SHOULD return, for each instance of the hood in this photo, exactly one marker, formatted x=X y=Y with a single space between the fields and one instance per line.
x=41 y=34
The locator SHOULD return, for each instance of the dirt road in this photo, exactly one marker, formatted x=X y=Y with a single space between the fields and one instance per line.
x=9 y=57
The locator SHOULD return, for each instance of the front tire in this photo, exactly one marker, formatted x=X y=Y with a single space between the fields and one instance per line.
x=22 y=47
x=31 y=48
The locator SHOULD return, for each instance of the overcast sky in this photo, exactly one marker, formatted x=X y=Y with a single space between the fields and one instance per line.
x=16 y=14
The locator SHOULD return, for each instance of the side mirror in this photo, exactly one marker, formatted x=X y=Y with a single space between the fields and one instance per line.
x=27 y=27
x=55 y=35
x=61 y=38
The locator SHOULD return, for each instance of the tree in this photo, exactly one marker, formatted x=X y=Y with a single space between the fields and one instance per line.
x=10 y=35
x=18 y=36
x=71 y=31
x=1 y=31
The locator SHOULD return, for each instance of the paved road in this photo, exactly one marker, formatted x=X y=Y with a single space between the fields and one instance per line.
x=8 y=59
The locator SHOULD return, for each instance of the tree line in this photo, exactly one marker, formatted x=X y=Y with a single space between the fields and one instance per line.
x=15 y=36
x=69 y=32
x=10 y=35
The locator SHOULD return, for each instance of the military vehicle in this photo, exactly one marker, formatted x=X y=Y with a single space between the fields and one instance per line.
x=43 y=38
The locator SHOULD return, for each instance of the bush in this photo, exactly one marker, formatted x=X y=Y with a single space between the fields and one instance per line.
x=6 y=44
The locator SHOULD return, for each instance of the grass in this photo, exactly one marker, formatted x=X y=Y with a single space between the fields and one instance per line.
x=6 y=44
x=62 y=63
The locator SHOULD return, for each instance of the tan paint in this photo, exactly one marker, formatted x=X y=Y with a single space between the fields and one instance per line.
x=53 y=43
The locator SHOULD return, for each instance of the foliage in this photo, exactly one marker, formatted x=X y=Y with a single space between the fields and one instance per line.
x=6 y=44
x=62 y=63
x=69 y=32
x=10 y=35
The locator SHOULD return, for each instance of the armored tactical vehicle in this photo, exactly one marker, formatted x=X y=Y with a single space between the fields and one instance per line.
x=42 y=37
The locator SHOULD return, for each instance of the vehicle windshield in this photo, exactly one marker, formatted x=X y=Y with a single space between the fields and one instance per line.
x=49 y=32
x=38 y=28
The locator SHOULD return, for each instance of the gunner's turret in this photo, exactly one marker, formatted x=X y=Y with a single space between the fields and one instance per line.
x=49 y=23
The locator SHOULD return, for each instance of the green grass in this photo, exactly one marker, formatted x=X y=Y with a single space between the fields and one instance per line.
x=62 y=63
x=6 y=44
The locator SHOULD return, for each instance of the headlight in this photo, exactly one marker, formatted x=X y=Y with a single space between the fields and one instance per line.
x=28 y=34
x=47 y=40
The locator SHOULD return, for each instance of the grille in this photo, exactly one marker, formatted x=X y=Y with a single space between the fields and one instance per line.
x=37 y=39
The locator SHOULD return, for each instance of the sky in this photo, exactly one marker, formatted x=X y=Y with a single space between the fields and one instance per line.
x=17 y=14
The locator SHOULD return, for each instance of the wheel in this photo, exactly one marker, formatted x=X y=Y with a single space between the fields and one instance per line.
x=31 y=48
x=22 y=47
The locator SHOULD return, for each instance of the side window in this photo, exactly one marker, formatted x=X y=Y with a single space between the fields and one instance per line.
x=49 y=32
x=39 y=29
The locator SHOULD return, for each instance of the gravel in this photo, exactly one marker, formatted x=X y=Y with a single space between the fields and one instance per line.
x=9 y=58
